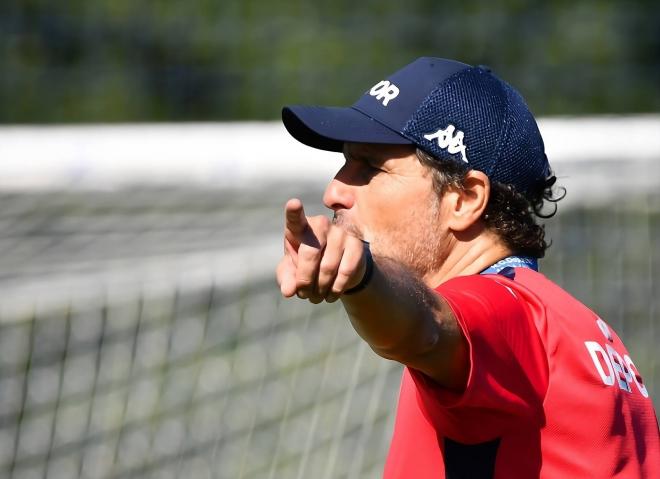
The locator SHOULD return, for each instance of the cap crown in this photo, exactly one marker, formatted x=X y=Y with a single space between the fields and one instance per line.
x=413 y=84
x=462 y=113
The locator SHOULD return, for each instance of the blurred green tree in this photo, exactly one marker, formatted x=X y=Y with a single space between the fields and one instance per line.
x=122 y=60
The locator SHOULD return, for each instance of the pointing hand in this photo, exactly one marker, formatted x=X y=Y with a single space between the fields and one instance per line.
x=321 y=260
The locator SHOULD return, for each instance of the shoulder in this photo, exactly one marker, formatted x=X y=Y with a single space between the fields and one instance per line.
x=490 y=290
x=495 y=308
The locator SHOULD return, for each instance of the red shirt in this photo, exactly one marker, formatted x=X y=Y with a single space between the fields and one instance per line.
x=552 y=393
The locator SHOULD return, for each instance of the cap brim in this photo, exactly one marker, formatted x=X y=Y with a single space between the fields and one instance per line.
x=328 y=128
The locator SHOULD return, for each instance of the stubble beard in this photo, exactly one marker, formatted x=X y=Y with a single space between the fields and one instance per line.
x=416 y=244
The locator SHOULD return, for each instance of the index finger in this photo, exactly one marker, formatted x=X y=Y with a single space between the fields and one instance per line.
x=296 y=222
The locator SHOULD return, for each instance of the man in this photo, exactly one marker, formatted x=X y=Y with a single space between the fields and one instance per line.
x=432 y=250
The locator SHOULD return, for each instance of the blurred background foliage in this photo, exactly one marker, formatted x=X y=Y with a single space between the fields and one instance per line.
x=126 y=60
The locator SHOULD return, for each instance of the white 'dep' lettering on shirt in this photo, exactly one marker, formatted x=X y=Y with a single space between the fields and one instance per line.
x=635 y=375
x=596 y=350
x=385 y=91
x=447 y=140
x=618 y=370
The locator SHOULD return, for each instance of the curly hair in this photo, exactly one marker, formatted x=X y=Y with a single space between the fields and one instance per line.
x=510 y=214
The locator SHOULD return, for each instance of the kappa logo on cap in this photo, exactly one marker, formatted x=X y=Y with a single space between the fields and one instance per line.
x=385 y=91
x=447 y=140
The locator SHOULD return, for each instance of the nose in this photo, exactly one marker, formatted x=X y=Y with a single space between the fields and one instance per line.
x=339 y=195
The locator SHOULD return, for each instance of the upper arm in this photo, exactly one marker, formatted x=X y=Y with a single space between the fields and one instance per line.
x=441 y=351
x=441 y=333
x=507 y=368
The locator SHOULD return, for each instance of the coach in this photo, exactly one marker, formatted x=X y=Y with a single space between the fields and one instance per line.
x=433 y=252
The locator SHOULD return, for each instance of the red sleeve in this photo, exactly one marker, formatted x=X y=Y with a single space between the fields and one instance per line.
x=508 y=364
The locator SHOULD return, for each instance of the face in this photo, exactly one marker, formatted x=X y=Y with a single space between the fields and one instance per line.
x=385 y=196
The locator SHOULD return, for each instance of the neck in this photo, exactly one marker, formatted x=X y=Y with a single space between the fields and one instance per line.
x=468 y=257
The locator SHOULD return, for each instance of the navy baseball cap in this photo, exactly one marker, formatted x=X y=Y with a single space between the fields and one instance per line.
x=448 y=109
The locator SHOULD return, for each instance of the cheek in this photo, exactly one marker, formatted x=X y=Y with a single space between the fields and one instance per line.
x=391 y=210
x=396 y=220
x=384 y=210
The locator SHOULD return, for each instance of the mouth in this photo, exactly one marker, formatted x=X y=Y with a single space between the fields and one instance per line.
x=339 y=220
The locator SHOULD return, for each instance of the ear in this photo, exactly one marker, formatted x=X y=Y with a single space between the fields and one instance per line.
x=467 y=205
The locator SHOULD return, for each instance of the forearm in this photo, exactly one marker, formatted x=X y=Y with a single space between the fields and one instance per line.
x=402 y=319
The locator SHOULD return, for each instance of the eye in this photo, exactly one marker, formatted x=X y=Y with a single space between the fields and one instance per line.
x=367 y=170
x=373 y=165
x=369 y=166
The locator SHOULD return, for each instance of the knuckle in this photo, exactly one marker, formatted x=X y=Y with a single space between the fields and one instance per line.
x=327 y=268
x=309 y=253
x=303 y=282
x=345 y=271
x=355 y=262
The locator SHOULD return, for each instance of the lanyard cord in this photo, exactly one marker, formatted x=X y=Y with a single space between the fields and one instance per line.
x=513 y=262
